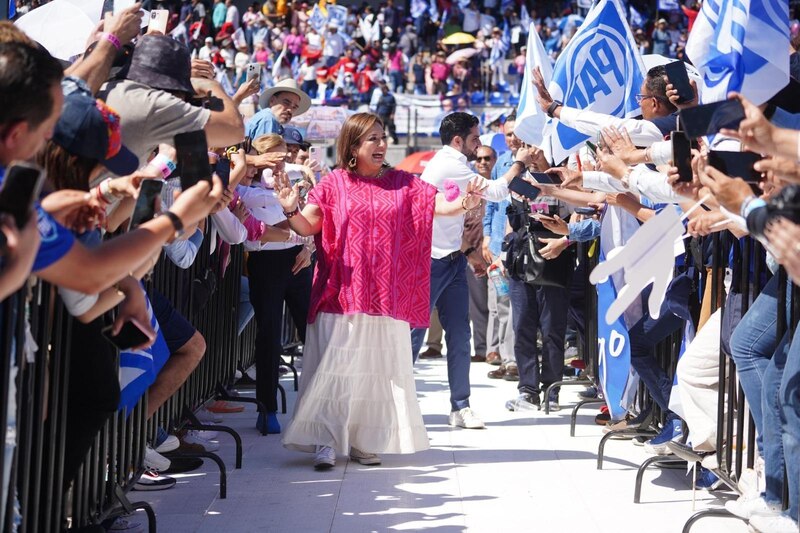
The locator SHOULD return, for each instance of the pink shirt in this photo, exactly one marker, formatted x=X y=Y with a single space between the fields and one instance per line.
x=440 y=71
x=373 y=252
x=295 y=43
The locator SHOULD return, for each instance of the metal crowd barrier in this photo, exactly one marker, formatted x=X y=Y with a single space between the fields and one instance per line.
x=36 y=499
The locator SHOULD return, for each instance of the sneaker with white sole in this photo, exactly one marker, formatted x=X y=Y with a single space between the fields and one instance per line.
x=154 y=460
x=524 y=402
x=773 y=523
x=207 y=417
x=152 y=480
x=169 y=444
x=747 y=507
x=192 y=437
x=672 y=430
x=364 y=458
x=325 y=458
x=207 y=434
x=466 y=418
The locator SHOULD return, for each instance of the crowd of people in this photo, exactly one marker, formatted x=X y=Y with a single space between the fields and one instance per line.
x=363 y=255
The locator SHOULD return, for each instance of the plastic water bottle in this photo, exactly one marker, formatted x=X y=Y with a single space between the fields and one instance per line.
x=499 y=280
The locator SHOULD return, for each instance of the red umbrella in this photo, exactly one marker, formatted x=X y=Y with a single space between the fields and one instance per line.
x=416 y=162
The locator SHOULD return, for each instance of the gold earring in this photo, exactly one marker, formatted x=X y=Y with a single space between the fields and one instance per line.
x=352 y=162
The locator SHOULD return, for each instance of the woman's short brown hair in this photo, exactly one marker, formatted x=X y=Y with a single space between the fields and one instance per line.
x=353 y=130
x=265 y=143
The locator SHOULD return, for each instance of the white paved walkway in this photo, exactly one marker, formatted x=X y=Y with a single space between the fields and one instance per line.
x=523 y=473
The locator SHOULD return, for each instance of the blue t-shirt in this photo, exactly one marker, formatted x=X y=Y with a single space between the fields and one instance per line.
x=263 y=123
x=56 y=240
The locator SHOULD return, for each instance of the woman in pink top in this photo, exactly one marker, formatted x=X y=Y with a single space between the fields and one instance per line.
x=373 y=227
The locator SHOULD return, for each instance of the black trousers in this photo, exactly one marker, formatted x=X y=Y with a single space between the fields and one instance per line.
x=93 y=392
x=388 y=122
x=271 y=284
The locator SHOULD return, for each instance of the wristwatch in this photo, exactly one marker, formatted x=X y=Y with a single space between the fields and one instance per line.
x=176 y=223
x=552 y=108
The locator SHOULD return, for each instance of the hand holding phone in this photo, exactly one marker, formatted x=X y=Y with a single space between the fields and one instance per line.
x=253 y=71
x=523 y=188
x=158 y=21
x=708 y=119
x=21 y=187
x=131 y=335
x=223 y=170
x=192 y=153
x=682 y=156
x=736 y=164
x=146 y=203
x=679 y=78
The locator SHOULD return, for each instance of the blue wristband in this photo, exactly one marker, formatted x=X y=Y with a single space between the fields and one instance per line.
x=751 y=205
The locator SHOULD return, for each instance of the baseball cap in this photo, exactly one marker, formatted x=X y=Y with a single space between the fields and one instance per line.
x=89 y=128
x=292 y=135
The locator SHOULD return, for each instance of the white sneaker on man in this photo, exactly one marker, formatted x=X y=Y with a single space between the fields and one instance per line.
x=364 y=458
x=325 y=458
x=154 y=460
x=193 y=437
x=772 y=523
x=170 y=444
x=747 y=507
x=466 y=418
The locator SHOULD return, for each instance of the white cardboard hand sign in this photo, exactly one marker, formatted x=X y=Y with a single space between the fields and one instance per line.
x=648 y=257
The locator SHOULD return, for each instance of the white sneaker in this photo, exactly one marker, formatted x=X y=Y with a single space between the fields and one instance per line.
x=206 y=434
x=170 y=444
x=207 y=417
x=325 y=458
x=745 y=508
x=772 y=523
x=465 y=418
x=154 y=460
x=364 y=458
x=192 y=437
x=126 y=524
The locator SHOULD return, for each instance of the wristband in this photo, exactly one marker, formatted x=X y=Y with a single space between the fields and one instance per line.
x=750 y=204
x=163 y=164
x=104 y=189
x=292 y=213
x=552 y=108
x=110 y=37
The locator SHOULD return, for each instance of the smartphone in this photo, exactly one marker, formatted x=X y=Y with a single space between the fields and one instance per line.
x=545 y=178
x=679 y=78
x=736 y=164
x=158 y=20
x=131 y=334
x=145 y=208
x=247 y=145
x=315 y=154
x=586 y=211
x=192 y=152
x=708 y=119
x=592 y=148
x=522 y=187
x=682 y=156
x=21 y=187
x=253 y=71
x=223 y=170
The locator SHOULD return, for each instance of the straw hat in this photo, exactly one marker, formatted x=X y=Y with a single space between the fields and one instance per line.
x=287 y=85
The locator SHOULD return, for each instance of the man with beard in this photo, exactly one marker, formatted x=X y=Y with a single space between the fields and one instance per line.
x=449 y=168
x=279 y=104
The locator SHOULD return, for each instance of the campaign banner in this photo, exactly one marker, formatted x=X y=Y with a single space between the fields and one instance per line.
x=337 y=15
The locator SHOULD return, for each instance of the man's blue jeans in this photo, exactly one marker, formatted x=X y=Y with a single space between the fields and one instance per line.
x=788 y=401
x=450 y=296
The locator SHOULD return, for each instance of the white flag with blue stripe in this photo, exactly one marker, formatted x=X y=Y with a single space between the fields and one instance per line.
x=501 y=47
x=600 y=70
x=741 y=45
x=434 y=10
x=669 y=5
x=530 y=119
x=418 y=8
x=637 y=19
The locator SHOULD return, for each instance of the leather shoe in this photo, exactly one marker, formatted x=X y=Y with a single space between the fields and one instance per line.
x=512 y=372
x=478 y=358
x=493 y=358
x=497 y=374
x=430 y=354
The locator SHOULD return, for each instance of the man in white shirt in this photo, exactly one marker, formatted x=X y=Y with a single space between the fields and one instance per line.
x=449 y=292
x=333 y=48
x=232 y=15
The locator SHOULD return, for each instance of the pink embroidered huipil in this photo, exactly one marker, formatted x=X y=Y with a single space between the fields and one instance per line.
x=373 y=251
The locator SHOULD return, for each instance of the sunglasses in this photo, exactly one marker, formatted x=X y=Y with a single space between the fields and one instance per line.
x=485 y=158
x=640 y=97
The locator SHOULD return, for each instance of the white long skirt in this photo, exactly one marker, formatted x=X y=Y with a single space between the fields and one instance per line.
x=357 y=388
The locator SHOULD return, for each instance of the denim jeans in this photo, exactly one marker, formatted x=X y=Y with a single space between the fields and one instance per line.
x=788 y=401
x=753 y=343
x=450 y=296
x=534 y=308
x=245 y=311
x=644 y=335
x=774 y=422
